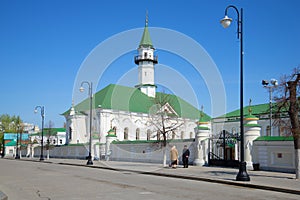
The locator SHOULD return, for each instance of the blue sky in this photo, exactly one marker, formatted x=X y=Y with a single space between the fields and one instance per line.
x=44 y=43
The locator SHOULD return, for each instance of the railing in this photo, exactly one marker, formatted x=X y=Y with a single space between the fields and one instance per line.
x=139 y=58
x=214 y=160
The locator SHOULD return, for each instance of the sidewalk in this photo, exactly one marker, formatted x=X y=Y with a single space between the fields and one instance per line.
x=266 y=180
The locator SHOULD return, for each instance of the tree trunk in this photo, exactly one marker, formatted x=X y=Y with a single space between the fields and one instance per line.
x=297 y=163
x=165 y=156
x=48 y=154
x=293 y=113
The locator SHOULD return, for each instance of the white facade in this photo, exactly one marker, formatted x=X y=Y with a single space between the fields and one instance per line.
x=127 y=125
x=233 y=126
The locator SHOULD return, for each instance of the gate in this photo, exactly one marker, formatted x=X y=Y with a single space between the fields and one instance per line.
x=223 y=150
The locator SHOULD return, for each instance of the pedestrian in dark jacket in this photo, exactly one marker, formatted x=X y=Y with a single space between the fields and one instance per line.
x=185 y=156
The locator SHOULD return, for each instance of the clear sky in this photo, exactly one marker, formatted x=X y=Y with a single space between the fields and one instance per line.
x=44 y=43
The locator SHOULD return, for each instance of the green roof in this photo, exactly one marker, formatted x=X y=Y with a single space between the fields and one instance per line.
x=275 y=138
x=252 y=125
x=146 y=40
x=117 y=97
x=11 y=143
x=50 y=131
x=256 y=110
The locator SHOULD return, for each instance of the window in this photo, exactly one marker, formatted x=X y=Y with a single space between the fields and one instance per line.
x=60 y=141
x=191 y=134
x=126 y=133
x=173 y=135
x=181 y=135
x=70 y=133
x=137 y=134
x=148 y=134
x=115 y=130
x=145 y=55
x=268 y=131
x=158 y=135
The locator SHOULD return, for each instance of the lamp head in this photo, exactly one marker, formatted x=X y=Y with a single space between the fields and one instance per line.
x=81 y=89
x=226 y=21
x=35 y=111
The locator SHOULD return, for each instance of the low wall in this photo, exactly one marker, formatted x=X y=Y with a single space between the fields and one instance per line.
x=147 y=152
x=274 y=155
x=69 y=151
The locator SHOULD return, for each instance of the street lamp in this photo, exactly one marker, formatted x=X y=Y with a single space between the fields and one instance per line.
x=81 y=89
x=17 y=148
x=226 y=21
x=3 y=141
x=42 y=142
x=270 y=85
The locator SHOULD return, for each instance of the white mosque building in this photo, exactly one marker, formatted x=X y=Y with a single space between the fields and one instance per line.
x=127 y=111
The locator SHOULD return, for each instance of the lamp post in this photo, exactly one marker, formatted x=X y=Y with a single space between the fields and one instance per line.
x=3 y=141
x=43 y=117
x=226 y=21
x=270 y=85
x=81 y=89
x=17 y=148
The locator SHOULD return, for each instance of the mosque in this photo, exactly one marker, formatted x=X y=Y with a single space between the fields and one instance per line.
x=127 y=112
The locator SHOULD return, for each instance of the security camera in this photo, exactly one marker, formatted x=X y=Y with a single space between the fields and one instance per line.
x=265 y=82
x=274 y=82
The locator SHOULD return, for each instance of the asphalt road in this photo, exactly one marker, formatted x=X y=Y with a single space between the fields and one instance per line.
x=34 y=180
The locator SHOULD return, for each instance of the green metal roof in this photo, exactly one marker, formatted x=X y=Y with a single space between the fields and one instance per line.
x=146 y=40
x=50 y=131
x=117 y=97
x=256 y=111
x=11 y=143
x=274 y=138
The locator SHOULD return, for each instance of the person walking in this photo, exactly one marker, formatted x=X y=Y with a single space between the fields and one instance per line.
x=174 y=157
x=185 y=156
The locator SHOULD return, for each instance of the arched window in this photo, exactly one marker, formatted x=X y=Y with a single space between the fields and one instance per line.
x=173 y=135
x=70 y=133
x=148 y=134
x=115 y=130
x=158 y=135
x=126 y=133
x=182 y=135
x=191 y=135
x=268 y=131
x=137 y=134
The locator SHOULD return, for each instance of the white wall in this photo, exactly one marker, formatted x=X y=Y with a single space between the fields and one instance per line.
x=275 y=155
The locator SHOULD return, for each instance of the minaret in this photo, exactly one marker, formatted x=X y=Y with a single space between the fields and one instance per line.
x=146 y=61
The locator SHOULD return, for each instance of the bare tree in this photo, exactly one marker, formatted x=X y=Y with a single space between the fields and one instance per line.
x=49 y=133
x=288 y=101
x=164 y=119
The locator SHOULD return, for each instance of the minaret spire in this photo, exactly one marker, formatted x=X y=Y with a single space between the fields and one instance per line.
x=146 y=20
x=146 y=60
